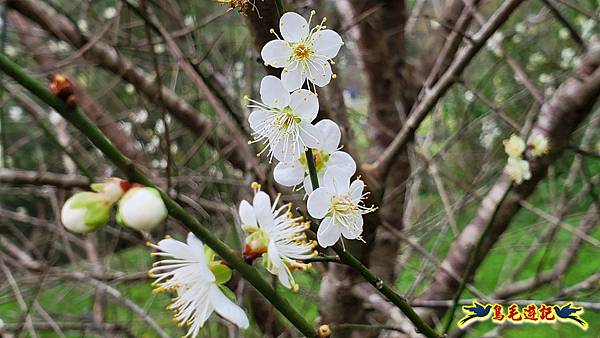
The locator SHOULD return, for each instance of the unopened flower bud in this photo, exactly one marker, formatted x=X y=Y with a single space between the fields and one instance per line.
x=141 y=208
x=324 y=331
x=86 y=211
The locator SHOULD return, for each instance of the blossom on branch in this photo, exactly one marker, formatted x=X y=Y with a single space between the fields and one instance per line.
x=282 y=121
x=340 y=205
x=304 y=53
x=276 y=235
x=191 y=271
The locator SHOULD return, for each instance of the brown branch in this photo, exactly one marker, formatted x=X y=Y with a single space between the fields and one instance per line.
x=23 y=177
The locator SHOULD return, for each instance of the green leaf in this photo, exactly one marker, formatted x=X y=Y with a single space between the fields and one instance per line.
x=227 y=292
x=84 y=199
x=97 y=214
x=97 y=187
x=222 y=273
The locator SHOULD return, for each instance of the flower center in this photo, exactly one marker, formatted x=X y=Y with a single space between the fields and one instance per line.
x=301 y=52
x=343 y=206
x=286 y=119
x=319 y=156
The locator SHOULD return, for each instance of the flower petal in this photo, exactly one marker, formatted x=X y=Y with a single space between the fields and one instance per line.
x=227 y=309
x=331 y=135
x=280 y=268
x=258 y=119
x=356 y=190
x=293 y=27
x=355 y=231
x=319 y=202
x=342 y=161
x=289 y=174
x=276 y=53
x=327 y=43
x=273 y=93
x=305 y=104
x=309 y=135
x=328 y=233
x=287 y=150
x=262 y=209
x=247 y=214
x=293 y=79
x=319 y=72
x=337 y=180
x=308 y=185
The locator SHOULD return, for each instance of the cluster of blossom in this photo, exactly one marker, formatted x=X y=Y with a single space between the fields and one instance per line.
x=282 y=121
x=139 y=207
x=517 y=167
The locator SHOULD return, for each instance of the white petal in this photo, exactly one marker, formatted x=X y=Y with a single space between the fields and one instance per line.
x=353 y=232
x=328 y=233
x=287 y=150
x=309 y=135
x=276 y=53
x=305 y=104
x=279 y=267
x=293 y=79
x=227 y=309
x=327 y=43
x=262 y=209
x=176 y=249
x=257 y=120
x=342 y=161
x=319 y=202
x=331 y=135
x=197 y=249
x=308 y=189
x=319 y=72
x=247 y=215
x=289 y=174
x=273 y=93
x=356 y=190
x=293 y=27
x=338 y=180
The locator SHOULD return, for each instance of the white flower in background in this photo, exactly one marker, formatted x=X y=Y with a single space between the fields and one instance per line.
x=109 y=13
x=494 y=43
x=11 y=51
x=83 y=25
x=518 y=170
x=141 y=208
x=282 y=122
x=189 y=269
x=140 y=116
x=514 y=146
x=275 y=235
x=545 y=78
x=326 y=156
x=303 y=53
x=159 y=48
x=564 y=34
x=538 y=144
x=489 y=132
x=129 y=89
x=520 y=28
x=340 y=205
x=189 y=20
x=469 y=96
x=86 y=211
x=587 y=28
x=567 y=56
x=15 y=113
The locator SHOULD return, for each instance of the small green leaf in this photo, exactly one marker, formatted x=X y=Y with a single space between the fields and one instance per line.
x=222 y=273
x=227 y=292
x=97 y=214
x=97 y=187
x=83 y=199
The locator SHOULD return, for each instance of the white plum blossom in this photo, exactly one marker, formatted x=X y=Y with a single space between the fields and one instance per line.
x=190 y=270
x=276 y=235
x=303 y=52
x=518 y=170
x=326 y=156
x=538 y=144
x=86 y=211
x=514 y=146
x=282 y=121
x=141 y=208
x=340 y=205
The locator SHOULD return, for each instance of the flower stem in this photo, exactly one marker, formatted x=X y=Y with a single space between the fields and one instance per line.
x=81 y=122
x=347 y=258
